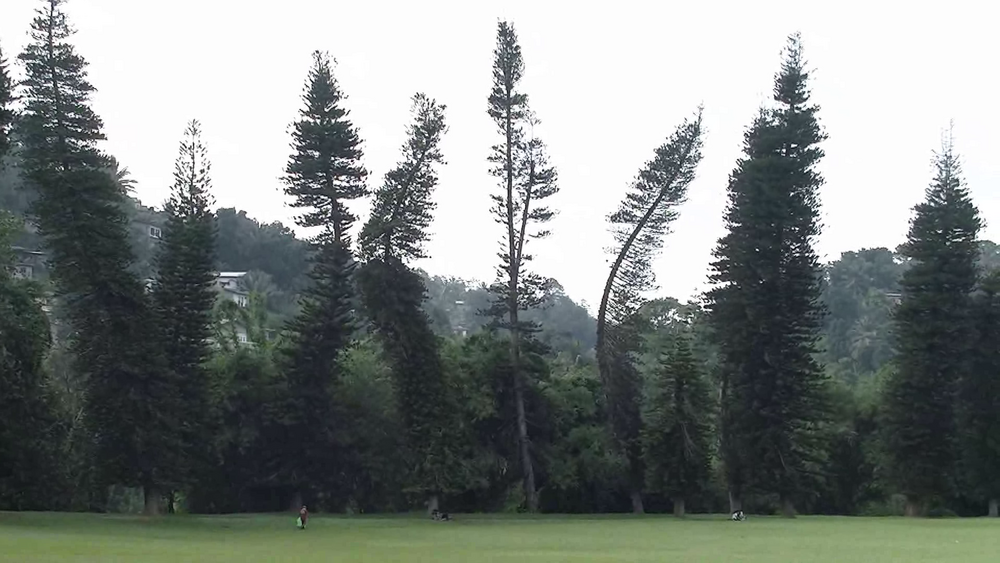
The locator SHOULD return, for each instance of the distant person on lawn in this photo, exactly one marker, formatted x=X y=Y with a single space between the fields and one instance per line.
x=303 y=517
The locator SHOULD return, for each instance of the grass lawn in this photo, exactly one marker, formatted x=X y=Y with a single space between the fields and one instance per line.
x=32 y=537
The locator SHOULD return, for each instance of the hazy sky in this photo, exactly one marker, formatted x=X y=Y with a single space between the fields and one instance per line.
x=609 y=80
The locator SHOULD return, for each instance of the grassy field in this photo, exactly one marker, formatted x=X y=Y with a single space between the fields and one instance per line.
x=106 y=539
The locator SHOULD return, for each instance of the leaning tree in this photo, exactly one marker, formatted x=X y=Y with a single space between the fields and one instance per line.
x=639 y=225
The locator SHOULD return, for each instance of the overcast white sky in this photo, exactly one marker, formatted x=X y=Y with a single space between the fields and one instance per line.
x=609 y=80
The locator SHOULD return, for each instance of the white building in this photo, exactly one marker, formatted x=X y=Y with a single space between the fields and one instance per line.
x=228 y=285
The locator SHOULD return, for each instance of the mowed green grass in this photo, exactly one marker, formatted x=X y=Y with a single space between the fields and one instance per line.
x=96 y=538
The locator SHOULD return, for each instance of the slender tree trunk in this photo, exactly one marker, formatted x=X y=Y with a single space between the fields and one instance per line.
x=787 y=508
x=913 y=508
x=513 y=302
x=296 y=503
x=151 y=494
x=170 y=502
x=679 y=507
x=637 y=507
x=433 y=504
x=531 y=496
x=993 y=508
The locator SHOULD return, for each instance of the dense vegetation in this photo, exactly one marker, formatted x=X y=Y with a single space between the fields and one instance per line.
x=362 y=384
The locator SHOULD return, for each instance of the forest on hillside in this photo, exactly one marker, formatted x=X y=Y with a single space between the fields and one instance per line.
x=867 y=385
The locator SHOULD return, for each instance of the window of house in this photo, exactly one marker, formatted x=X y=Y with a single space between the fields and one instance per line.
x=242 y=338
x=23 y=272
x=155 y=232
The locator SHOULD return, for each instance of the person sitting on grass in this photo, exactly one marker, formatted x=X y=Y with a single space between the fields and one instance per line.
x=439 y=516
x=303 y=517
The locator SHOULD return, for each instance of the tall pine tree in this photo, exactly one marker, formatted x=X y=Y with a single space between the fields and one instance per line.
x=394 y=294
x=79 y=209
x=639 y=226
x=183 y=295
x=525 y=178
x=765 y=305
x=933 y=333
x=677 y=435
x=324 y=172
x=979 y=398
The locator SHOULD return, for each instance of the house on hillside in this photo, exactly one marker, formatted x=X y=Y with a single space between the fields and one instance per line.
x=229 y=288
x=28 y=264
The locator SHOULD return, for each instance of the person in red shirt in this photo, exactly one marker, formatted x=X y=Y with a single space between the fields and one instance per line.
x=304 y=516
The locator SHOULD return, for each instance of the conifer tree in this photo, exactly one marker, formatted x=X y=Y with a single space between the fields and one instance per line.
x=933 y=332
x=393 y=294
x=324 y=172
x=639 y=226
x=183 y=295
x=525 y=179
x=401 y=214
x=79 y=210
x=677 y=434
x=979 y=397
x=765 y=306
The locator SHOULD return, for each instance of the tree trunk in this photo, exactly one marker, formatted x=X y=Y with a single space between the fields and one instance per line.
x=787 y=508
x=530 y=495
x=524 y=444
x=637 y=507
x=296 y=503
x=735 y=502
x=913 y=508
x=993 y=508
x=679 y=507
x=433 y=504
x=151 y=496
x=170 y=502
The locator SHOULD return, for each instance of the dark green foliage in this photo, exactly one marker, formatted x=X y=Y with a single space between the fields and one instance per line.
x=853 y=482
x=323 y=173
x=79 y=212
x=393 y=296
x=526 y=178
x=244 y=244
x=319 y=335
x=402 y=209
x=247 y=393
x=27 y=460
x=979 y=396
x=677 y=434
x=276 y=262
x=183 y=295
x=378 y=468
x=640 y=223
x=765 y=307
x=581 y=467
x=933 y=337
x=482 y=375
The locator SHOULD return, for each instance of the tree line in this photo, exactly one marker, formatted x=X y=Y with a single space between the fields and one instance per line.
x=861 y=387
